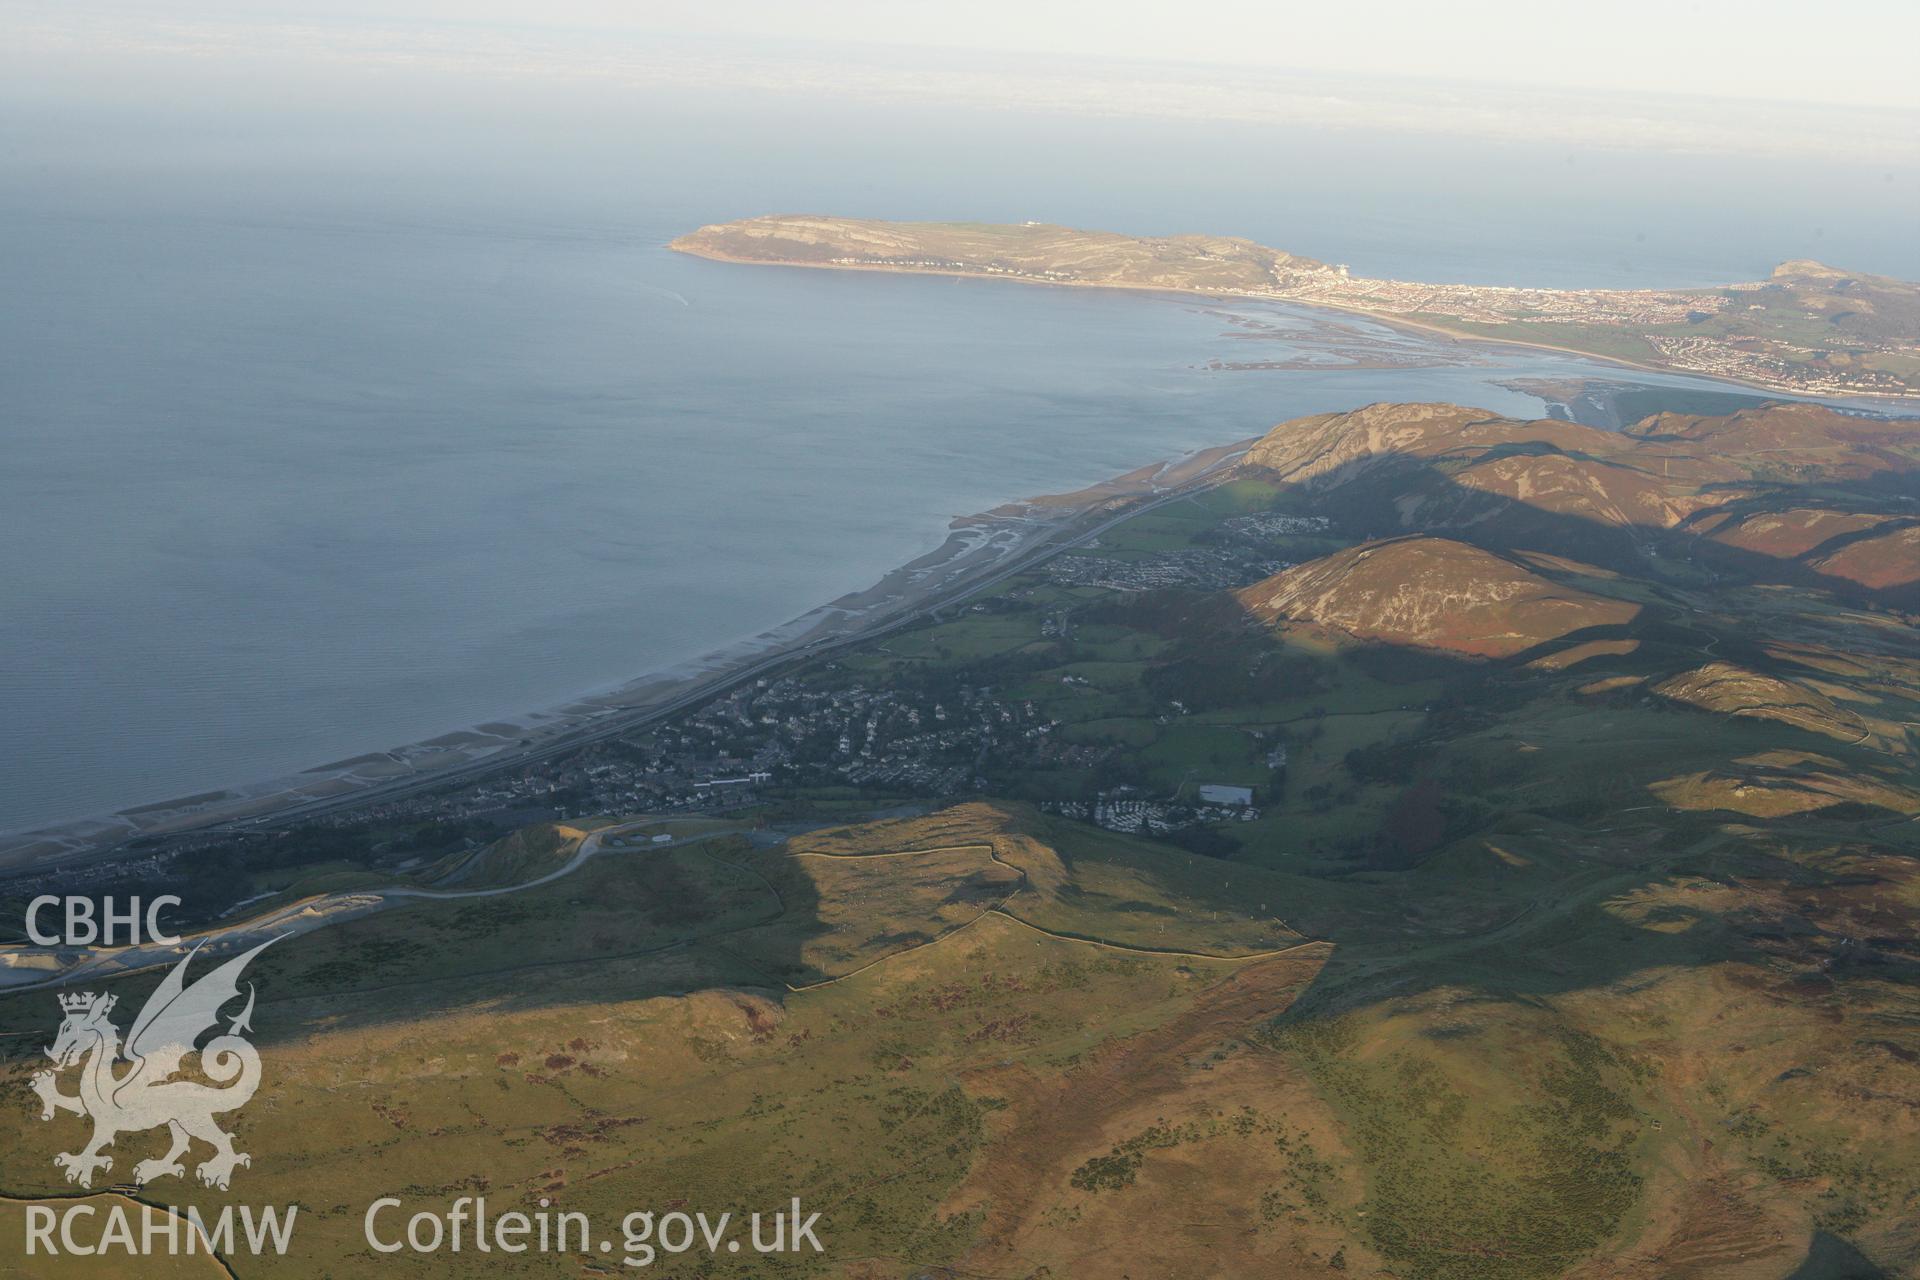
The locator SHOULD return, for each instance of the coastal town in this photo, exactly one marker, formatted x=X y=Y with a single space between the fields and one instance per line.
x=1021 y=641
x=1808 y=329
x=834 y=728
x=825 y=733
x=1496 y=304
x=1832 y=366
x=834 y=725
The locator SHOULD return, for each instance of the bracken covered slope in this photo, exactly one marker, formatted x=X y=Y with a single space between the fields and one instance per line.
x=1572 y=933
x=1434 y=593
x=1730 y=492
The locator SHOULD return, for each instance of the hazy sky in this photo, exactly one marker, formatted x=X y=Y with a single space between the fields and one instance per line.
x=1852 y=52
x=1778 y=79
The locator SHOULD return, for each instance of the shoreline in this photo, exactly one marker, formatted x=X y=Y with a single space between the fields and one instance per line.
x=979 y=551
x=1390 y=319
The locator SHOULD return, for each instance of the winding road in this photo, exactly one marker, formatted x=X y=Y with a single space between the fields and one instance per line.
x=293 y=919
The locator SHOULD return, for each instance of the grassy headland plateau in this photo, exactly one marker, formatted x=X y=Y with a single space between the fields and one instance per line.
x=1809 y=328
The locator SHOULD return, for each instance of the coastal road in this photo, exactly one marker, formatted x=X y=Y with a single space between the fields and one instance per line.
x=303 y=916
x=1067 y=536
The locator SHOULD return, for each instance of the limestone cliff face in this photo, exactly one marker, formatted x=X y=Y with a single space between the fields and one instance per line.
x=1433 y=593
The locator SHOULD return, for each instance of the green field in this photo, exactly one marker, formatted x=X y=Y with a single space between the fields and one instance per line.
x=1593 y=961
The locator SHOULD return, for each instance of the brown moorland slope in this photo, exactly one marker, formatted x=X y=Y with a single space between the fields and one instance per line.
x=1589 y=957
x=1434 y=593
x=1728 y=492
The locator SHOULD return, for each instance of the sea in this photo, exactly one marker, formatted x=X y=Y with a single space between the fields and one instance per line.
x=316 y=442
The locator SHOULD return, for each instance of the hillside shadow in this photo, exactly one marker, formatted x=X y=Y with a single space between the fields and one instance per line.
x=1831 y=1258
x=380 y=977
x=627 y=926
x=1375 y=492
x=1570 y=940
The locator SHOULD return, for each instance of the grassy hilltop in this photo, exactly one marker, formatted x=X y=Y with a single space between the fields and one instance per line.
x=1033 y=251
x=1573 y=932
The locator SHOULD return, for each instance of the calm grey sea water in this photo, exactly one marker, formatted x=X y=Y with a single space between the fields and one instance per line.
x=294 y=469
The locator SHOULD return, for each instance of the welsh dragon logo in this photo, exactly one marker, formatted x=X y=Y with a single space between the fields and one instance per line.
x=147 y=1095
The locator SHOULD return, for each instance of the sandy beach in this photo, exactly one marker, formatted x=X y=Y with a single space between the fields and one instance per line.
x=1391 y=319
x=979 y=551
